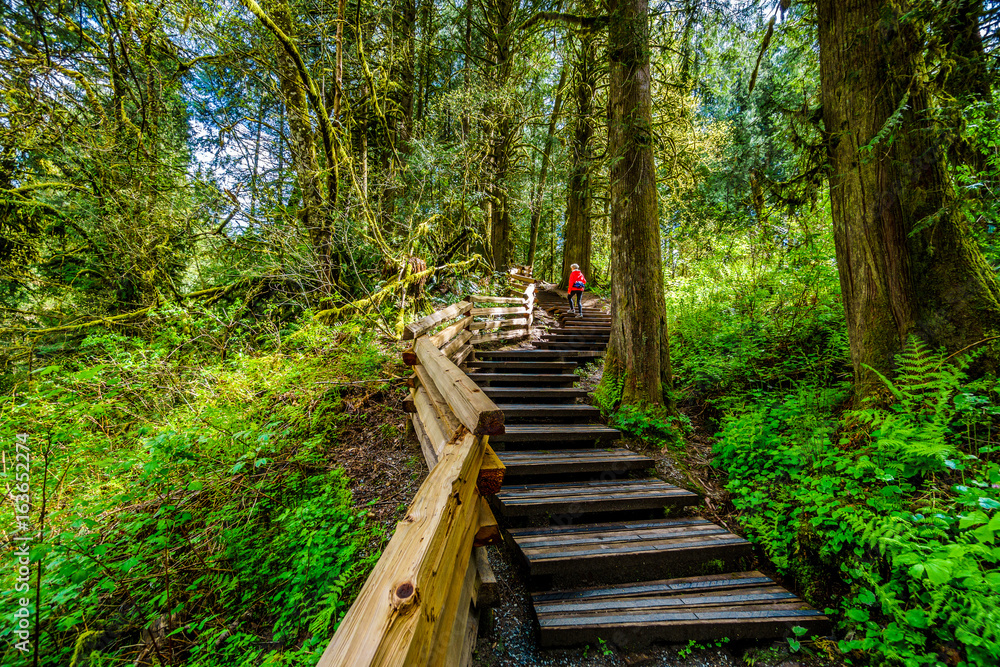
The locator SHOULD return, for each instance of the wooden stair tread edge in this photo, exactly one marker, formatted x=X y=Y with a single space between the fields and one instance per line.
x=678 y=585
x=571 y=455
x=606 y=526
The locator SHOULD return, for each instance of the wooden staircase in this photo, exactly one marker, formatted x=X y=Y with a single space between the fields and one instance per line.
x=587 y=519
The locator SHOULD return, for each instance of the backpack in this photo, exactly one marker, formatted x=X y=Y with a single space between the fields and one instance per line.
x=578 y=285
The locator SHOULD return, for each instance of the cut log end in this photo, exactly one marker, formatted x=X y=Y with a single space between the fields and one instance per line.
x=410 y=357
x=490 y=480
x=490 y=423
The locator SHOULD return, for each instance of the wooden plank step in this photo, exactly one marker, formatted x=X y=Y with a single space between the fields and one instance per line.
x=570 y=325
x=577 y=338
x=571 y=499
x=517 y=366
x=514 y=412
x=581 y=331
x=564 y=345
x=571 y=461
x=740 y=606
x=635 y=550
x=532 y=354
x=540 y=394
x=556 y=432
x=525 y=378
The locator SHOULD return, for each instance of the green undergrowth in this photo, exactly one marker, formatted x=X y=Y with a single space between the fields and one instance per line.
x=755 y=319
x=887 y=514
x=193 y=513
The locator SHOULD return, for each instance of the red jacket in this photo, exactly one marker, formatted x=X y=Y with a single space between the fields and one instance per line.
x=574 y=277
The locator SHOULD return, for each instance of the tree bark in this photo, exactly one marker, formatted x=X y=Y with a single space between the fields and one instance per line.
x=404 y=20
x=536 y=214
x=579 y=198
x=500 y=15
x=907 y=262
x=313 y=213
x=638 y=357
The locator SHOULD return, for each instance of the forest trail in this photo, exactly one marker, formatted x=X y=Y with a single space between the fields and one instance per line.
x=585 y=519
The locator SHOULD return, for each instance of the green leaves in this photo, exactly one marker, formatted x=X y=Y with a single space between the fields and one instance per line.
x=918 y=548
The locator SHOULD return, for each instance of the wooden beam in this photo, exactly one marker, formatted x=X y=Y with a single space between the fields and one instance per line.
x=491 y=474
x=496 y=324
x=500 y=335
x=449 y=425
x=430 y=456
x=456 y=344
x=425 y=324
x=462 y=354
x=478 y=312
x=488 y=591
x=404 y=612
x=489 y=529
x=410 y=357
x=458 y=637
x=449 y=332
x=467 y=401
x=439 y=429
x=521 y=279
x=476 y=298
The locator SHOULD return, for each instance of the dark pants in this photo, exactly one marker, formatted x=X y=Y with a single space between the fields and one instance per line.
x=579 y=301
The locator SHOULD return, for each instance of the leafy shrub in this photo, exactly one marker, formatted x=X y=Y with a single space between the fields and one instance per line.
x=904 y=512
x=198 y=496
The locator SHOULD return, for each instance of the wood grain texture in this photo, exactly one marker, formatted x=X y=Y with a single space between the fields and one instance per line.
x=417 y=583
x=415 y=329
x=467 y=401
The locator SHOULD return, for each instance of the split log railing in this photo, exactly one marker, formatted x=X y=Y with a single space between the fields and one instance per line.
x=421 y=603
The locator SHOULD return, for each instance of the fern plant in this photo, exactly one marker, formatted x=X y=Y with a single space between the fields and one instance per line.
x=914 y=436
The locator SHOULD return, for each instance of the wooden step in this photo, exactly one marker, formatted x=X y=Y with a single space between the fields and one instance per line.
x=581 y=331
x=583 y=326
x=540 y=394
x=740 y=606
x=573 y=461
x=556 y=433
x=577 y=338
x=569 y=500
x=586 y=319
x=519 y=366
x=545 y=379
x=516 y=412
x=533 y=354
x=626 y=550
x=565 y=345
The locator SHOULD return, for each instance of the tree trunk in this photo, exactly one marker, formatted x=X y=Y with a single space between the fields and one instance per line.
x=536 y=214
x=500 y=15
x=313 y=213
x=907 y=262
x=426 y=37
x=404 y=20
x=576 y=246
x=638 y=357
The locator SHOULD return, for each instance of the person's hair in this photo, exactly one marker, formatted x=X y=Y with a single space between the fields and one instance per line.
x=574 y=266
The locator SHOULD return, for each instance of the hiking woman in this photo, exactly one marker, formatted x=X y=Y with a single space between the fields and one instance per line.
x=576 y=284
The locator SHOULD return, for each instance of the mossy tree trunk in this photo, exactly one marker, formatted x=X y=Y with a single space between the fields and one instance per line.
x=314 y=211
x=579 y=198
x=638 y=357
x=500 y=17
x=907 y=262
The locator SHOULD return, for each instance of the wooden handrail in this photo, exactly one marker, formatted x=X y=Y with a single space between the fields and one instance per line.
x=404 y=611
x=418 y=604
